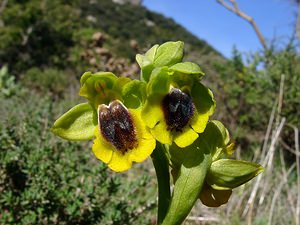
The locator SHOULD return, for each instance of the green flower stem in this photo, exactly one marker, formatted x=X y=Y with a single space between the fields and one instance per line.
x=161 y=166
x=188 y=185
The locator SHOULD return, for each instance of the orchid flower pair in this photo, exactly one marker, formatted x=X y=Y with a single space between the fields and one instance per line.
x=165 y=114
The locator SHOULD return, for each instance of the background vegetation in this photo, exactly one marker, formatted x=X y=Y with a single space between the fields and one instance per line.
x=46 y=45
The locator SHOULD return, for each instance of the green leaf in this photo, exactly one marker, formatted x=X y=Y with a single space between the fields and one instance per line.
x=168 y=54
x=225 y=174
x=187 y=68
x=196 y=160
x=77 y=124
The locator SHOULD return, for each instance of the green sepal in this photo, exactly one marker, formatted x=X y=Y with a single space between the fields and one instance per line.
x=187 y=68
x=203 y=99
x=159 y=82
x=168 y=54
x=150 y=54
x=143 y=60
x=84 y=77
x=194 y=163
x=77 y=124
x=134 y=94
x=102 y=87
x=225 y=174
x=98 y=83
x=146 y=63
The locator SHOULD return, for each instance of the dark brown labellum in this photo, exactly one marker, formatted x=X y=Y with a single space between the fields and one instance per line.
x=116 y=126
x=178 y=108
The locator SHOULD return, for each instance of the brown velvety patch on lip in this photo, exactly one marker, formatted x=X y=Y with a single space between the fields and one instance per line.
x=178 y=109
x=116 y=126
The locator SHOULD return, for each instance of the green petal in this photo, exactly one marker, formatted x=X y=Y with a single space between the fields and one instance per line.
x=84 y=77
x=146 y=63
x=159 y=82
x=97 y=84
x=134 y=94
x=168 y=54
x=187 y=68
x=184 y=81
x=77 y=124
x=150 y=54
x=227 y=174
x=203 y=99
x=140 y=60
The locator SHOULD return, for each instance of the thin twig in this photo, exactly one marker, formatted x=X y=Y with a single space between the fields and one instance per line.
x=288 y=148
x=278 y=121
x=280 y=97
x=268 y=132
x=267 y=162
x=298 y=173
x=285 y=178
x=271 y=153
x=276 y=194
x=235 y=9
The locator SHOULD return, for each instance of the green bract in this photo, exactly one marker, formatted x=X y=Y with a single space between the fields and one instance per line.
x=225 y=174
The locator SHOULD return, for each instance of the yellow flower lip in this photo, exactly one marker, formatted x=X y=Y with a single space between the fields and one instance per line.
x=121 y=137
x=178 y=114
x=116 y=126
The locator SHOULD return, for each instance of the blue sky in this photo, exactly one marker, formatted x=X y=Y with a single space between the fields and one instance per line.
x=222 y=29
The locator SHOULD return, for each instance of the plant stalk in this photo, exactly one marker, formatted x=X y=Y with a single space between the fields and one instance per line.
x=161 y=166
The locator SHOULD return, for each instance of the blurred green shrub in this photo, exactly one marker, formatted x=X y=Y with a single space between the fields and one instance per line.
x=44 y=180
x=248 y=91
x=8 y=85
x=48 y=80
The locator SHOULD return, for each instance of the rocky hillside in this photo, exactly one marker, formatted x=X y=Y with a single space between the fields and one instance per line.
x=75 y=36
